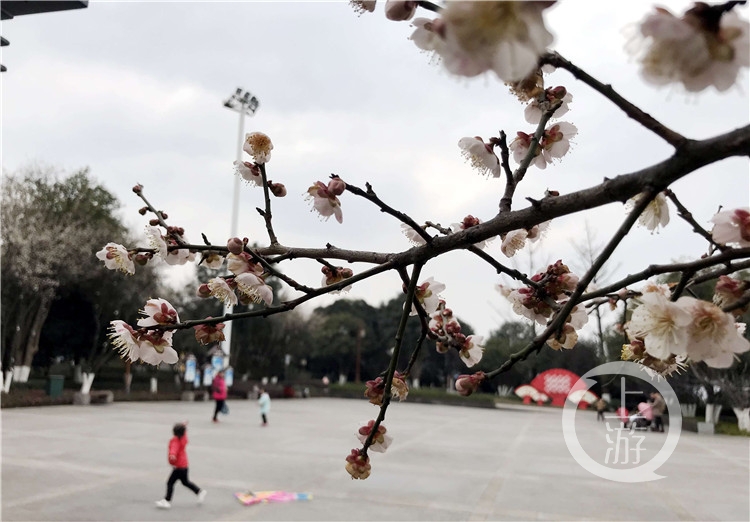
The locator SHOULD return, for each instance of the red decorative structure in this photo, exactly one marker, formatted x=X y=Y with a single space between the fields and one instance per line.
x=555 y=383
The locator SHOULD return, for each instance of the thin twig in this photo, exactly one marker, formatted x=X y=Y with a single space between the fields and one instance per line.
x=267 y=216
x=673 y=138
x=372 y=197
x=685 y=214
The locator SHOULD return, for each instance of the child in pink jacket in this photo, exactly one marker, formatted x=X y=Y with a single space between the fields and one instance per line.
x=178 y=459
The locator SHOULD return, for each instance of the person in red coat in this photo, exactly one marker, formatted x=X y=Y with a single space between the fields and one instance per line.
x=177 y=457
x=219 y=392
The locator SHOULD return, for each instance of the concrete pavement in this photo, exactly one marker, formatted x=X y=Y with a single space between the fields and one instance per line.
x=108 y=462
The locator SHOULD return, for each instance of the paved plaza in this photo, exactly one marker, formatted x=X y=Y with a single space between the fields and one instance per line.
x=108 y=462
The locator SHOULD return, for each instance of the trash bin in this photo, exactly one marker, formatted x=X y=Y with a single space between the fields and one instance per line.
x=55 y=385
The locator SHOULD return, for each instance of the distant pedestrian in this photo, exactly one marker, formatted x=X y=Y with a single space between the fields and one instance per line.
x=657 y=407
x=219 y=393
x=264 y=401
x=178 y=459
x=601 y=407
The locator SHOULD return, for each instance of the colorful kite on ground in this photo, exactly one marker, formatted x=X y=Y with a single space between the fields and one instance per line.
x=249 y=498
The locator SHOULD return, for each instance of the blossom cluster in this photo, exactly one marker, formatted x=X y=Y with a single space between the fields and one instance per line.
x=375 y=389
x=540 y=302
x=325 y=198
x=687 y=328
x=446 y=328
x=247 y=286
x=152 y=346
x=706 y=46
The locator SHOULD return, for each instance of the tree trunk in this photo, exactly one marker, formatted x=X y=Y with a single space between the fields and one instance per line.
x=32 y=344
x=87 y=380
x=743 y=418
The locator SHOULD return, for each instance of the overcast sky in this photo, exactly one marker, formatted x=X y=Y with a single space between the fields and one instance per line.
x=135 y=92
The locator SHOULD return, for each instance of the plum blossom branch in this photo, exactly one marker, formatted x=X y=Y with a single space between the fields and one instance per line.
x=685 y=214
x=652 y=270
x=267 y=216
x=138 y=189
x=673 y=138
x=502 y=142
x=372 y=197
x=280 y=275
x=562 y=314
x=410 y=293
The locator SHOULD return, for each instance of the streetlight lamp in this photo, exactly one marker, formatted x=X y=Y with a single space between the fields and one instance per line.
x=246 y=104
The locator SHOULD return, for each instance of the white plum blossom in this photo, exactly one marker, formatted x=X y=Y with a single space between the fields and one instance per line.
x=656 y=213
x=412 y=235
x=116 y=257
x=704 y=47
x=123 y=337
x=426 y=37
x=732 y=227
x=158 y=311
x=259 y=146
x=554 y=144
x=180 y=256
x=241 y=263
x=556 y=140
x=221 y=290
x=249 y=172
x=254 y=287
x=513 y=241
x=661 y=324
x=156 y=240
x=150 y=346
x=212 y=260
x=380 y=441
x=472 y=350
x=536 y=107
x=504 y=37
x=713 y=335
x=480 y=156
x=427 y=295
x=324 y=201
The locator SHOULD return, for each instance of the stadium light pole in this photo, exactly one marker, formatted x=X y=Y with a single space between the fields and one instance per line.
x=246 y=104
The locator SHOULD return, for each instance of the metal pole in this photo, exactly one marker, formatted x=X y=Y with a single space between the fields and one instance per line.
x=226 y=346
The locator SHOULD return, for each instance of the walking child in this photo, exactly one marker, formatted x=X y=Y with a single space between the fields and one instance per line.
x=264 y=401
x=178 y=459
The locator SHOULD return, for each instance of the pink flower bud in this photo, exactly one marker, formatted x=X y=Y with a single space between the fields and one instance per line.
x=203 y=291
x=142 y=211
x=400 y=10
x=558 y=93
x=277 y=189
x=235 y=245
x=468 y=384
x=336 y=186
x=153 y=222
x=163 y=214
x=142 y=259
x=138 y=188
x=209 y=333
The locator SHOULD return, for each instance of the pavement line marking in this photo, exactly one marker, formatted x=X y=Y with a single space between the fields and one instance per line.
x=485 y=505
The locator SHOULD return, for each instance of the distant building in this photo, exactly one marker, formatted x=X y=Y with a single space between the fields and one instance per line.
x=11 y=9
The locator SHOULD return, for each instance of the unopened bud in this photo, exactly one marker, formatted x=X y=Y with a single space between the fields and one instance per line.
x=203 y=291
x=142 y=211
x=346 y=273
x=153 y=222
x=235 y=245
x=138 y=188
x=163 y=214
x=558 y=93
x=336 y=186
x=277 y=189
x=142 y=259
